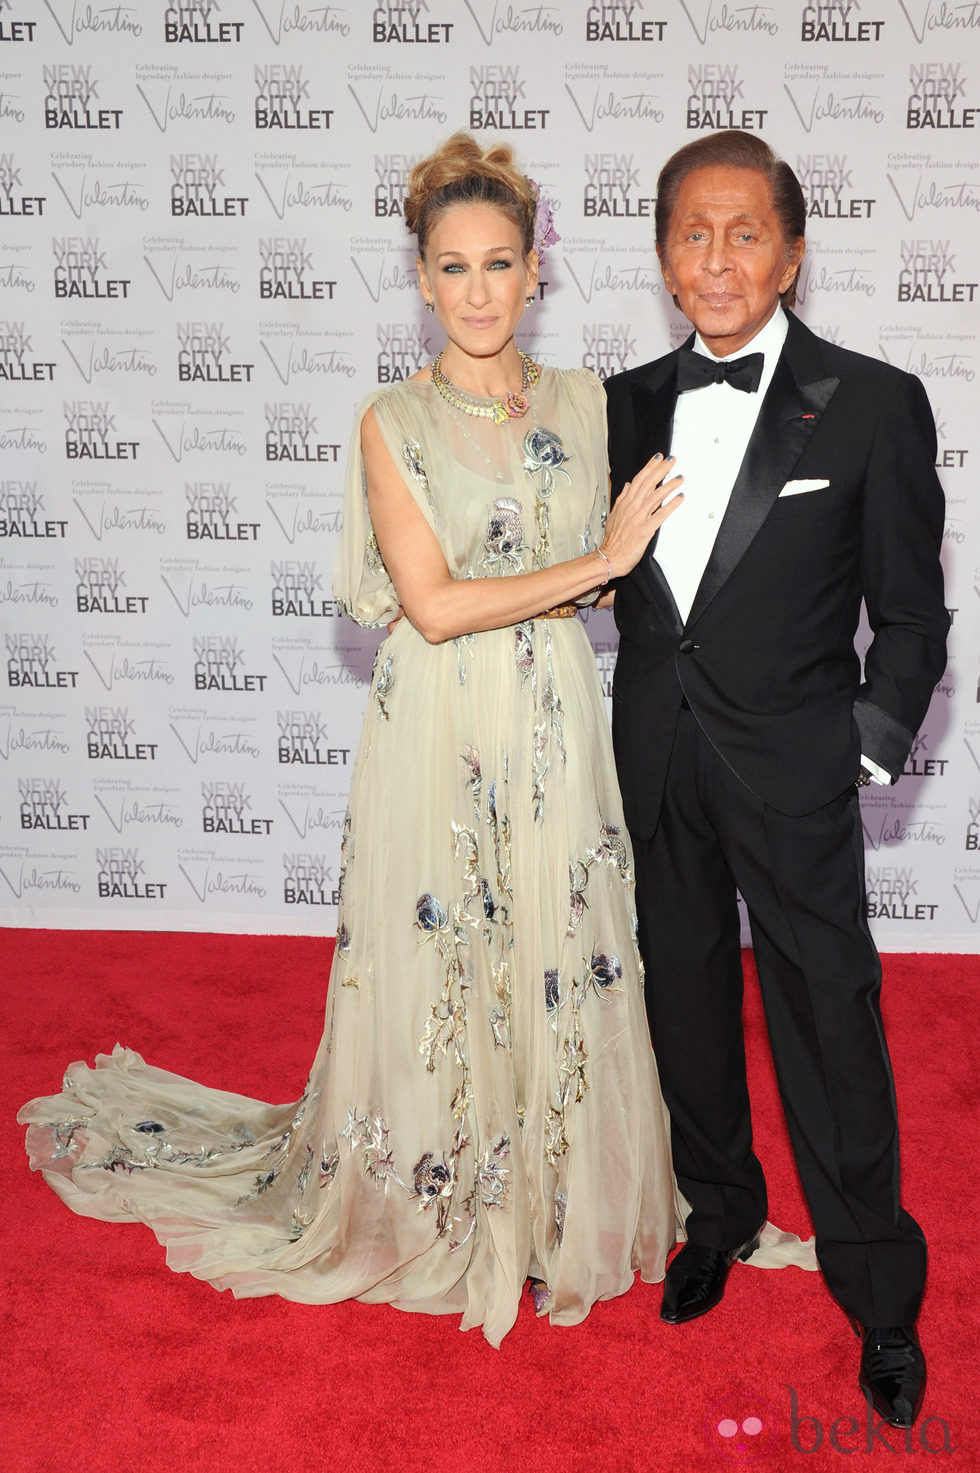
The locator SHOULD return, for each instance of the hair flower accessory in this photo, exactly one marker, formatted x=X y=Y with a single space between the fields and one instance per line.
x=545 y=234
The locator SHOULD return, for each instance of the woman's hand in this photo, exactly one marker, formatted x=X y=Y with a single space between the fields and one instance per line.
x=643 y=505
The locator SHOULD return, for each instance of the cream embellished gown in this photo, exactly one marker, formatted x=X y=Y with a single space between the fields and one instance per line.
x=484 y=1104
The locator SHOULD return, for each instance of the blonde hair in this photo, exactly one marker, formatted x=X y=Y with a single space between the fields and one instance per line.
x=461 y=172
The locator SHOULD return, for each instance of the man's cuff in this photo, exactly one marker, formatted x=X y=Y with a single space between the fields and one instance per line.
x=878 y=774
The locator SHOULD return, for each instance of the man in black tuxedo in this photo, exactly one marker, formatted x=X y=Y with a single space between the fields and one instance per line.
x=743 y=729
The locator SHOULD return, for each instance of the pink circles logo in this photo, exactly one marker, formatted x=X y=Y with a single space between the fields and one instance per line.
x=740 y=1426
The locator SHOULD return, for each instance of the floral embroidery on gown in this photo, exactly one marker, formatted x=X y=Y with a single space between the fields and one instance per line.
x=484 y=1104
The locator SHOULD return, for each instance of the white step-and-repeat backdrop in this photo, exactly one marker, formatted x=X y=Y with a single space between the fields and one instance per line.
x=203 y=269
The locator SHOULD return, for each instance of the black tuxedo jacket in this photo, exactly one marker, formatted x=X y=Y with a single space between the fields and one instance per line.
x=766 y=658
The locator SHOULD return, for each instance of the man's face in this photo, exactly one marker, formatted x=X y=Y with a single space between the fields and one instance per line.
x=725 y=258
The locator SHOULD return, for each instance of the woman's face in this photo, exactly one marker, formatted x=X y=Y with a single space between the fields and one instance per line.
x=476 y=275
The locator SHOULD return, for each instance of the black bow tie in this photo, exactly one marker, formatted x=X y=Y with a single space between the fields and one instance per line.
x=695 y=371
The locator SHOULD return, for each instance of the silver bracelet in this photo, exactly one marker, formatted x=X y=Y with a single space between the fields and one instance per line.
x=609 y=571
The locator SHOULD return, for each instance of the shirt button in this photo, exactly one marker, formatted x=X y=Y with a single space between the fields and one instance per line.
x=717 y=439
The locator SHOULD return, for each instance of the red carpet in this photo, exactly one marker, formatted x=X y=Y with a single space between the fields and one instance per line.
x=111 y=1362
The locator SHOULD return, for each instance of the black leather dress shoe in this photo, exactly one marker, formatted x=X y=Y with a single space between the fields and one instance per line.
x=696 y=1278
x=893 y=1372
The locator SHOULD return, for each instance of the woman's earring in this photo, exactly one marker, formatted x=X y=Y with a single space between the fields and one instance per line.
x=430 y=306
x=529 y=301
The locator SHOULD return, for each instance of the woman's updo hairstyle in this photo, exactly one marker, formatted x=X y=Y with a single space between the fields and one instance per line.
x=460 y=172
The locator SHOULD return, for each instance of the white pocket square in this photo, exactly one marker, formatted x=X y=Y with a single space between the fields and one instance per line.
x=793 y=488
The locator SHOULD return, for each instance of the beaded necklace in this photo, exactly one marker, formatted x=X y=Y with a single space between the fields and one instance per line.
x=512 y=406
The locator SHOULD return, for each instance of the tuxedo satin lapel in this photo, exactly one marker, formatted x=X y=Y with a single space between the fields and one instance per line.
x=653 y=418
x=789 y=415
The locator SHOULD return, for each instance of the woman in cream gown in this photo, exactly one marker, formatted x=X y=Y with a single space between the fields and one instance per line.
x=484 y=1105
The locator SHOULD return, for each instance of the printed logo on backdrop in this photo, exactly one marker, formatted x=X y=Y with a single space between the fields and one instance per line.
x=310 y=879
x=203 y=734
x=381 y=267
x=14 y=203
x=821 y=275
x=15 y=30
x=283 y=100
x=308 y=668
x=194 y=22
x=717 y=99
x=92 y=432
x=837 y=21
x=32 y=661
x=198 y=185
x=18 y=363
x=287 y=271
x=286 y=19
x=114 y=187
x=937 y=97
x=921 y=762
x=111 y=736
x=828 y=184
x=107 y=508
x=311 y=811
x=296 y=353
x=290 y=185
x=209 y=876
x=856 y=99
x=931 y=356
x=888 y=822
x=602 y=275
x=403 y=348
x=929 y=273
x=391 y=171
x=189 y=433
x=929 y=18
x=613 y=187
x=919 y=199
x=600 y=95
x=894 y=894
x=304 y=739
x=32 y=731
x=27 y=585
x=73 y=98
x=383 y=96
x=23 y=513
x=408 y=23
x=213 y=514
x=182 y=97
x=297 y=512
x=714 y=20
x=178 y=266
x=122 y=875
x=204 y=355
x=972 y=836
x=298 y=588
x=44 y=804
x=227 y=809
x=621 y=20
x=93 y=355
x=495 y=20
x=194 y=586
x=499 y=100
x=81 y=269
x=73 y=19
x=292 y=433
x=100 y=588
x=37 y=875
x=116 y=661
x=125 y=804
x=221 y=664
x=608 y=347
